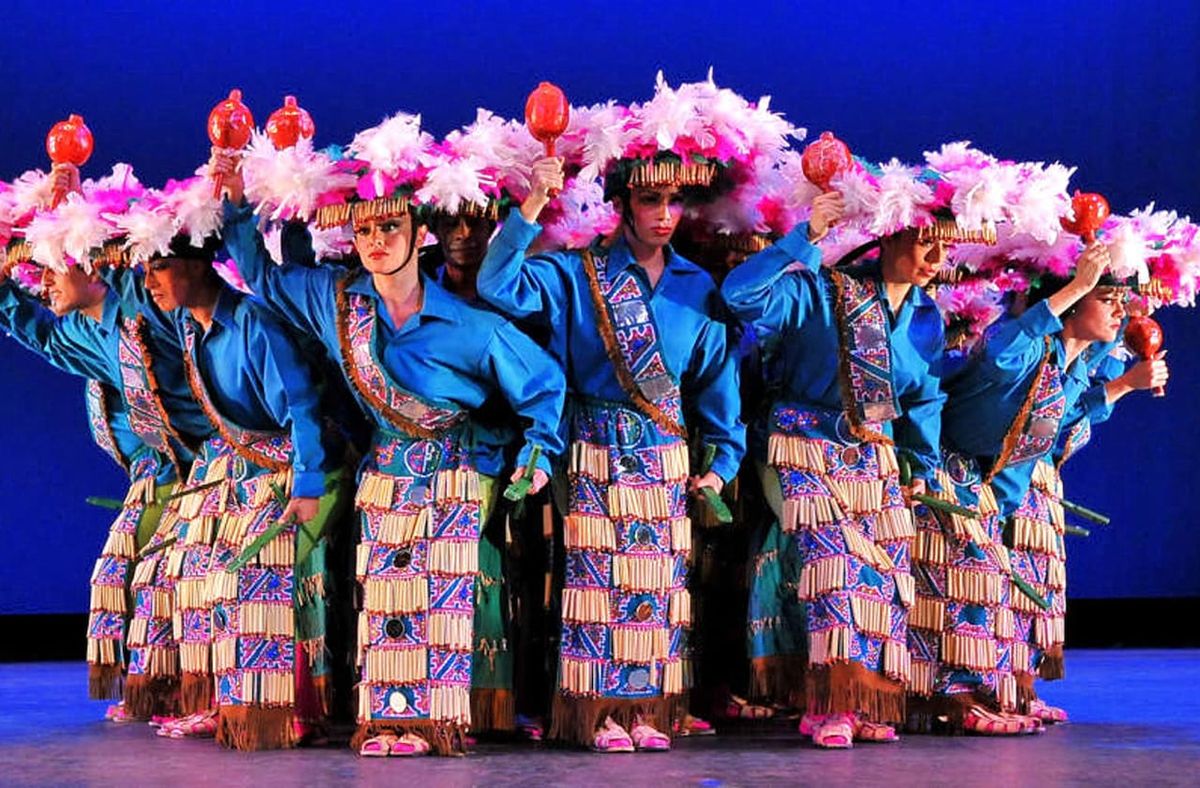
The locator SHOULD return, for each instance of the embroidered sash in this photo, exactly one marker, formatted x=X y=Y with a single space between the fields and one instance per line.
x=632 y=342
x=1077 y=437
x=269 y=449
x=412 y=415
x=147 y=417
x=864 y=355
x=98 y=420
x=1035 y=428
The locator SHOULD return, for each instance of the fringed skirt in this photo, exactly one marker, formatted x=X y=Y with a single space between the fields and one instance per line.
x=853 y=533
x=961 y=628
x=1039 y=558
x=626 y=608
x=492 y=702
x=421 y=507
x=109 y=611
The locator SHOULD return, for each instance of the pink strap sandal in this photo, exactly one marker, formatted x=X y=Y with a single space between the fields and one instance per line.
x=1050 y=715
x=875 y=732
x=530 y=727
x=197 y=726
x=688 y=725
x=810 y=722
x=648 y=739
x=410 y=745
x=611 y=737
x=835 y=733
x=984 y=722
x=117 y=713
x=378 y=746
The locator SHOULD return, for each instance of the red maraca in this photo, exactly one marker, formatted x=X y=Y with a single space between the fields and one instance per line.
x=1091 y=211
x=289 y=124
x=547 y=114
x=824 y=159
x=1144 y=336
x=69 y=142
x=229 y=126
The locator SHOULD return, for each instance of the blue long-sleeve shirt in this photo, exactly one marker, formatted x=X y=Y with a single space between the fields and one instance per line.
x=88 y=347
x=987 y=393
x=257 y=378
x=552 y=292
x=785 y=296
x=448 y=351
x=38 y=324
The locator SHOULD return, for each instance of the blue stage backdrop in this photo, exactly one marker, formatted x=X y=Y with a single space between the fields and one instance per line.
x=1110 y=87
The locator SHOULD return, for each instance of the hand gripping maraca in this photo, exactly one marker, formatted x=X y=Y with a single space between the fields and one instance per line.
x=824 y=159
x=229 y=126
x=68 y=142
x=1091 y=211
x=289 y=124
x=547 y=114
x=1144 y=336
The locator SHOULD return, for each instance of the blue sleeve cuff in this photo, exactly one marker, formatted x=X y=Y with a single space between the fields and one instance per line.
x=234 y=212
x=725 y=466
x=1039 y=321
x=308 y=484
x=517 y=233
x=543 y=460
x=798 y=247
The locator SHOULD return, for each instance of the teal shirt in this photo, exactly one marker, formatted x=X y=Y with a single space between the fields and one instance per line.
x=551 y=292
x=787 y=299
x=81 y=345
x=448 y=352
x=987 y=392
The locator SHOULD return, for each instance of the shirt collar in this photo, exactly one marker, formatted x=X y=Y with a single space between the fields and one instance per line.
x=439 y=303
x=620 y=257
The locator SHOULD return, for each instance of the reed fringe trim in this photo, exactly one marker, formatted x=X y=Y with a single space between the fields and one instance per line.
x=929 y=614
x=613 y=351
x=396 y=595
x=651 y=174
x=871 y=615
x=1006 y=626
x=396 y=666
x=790 y=451
x=636 y=573
x=381 y=208
x=590 y=460
x=589 y=606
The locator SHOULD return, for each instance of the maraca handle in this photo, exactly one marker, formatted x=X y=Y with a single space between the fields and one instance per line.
x=1159 y=391
x=549 y=147
x=60 y=194
x=218 y=185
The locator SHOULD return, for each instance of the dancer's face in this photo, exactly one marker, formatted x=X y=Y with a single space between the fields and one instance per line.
x=463 y=239
x=173 y=282
x=909 y=257
x=1097 y=316
x=654 y=214
x=71 y=289
x=385 y=246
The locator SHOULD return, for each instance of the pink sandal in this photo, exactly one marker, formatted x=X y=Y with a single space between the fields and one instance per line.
x=117 y=713
x=197 y=726
x=984 y=722
x=378 y=746
x=530 y=727
x=689 y=725
x=611 y=737
x=1050 y=715
x=875 y=732
x=648 y=739
x=835 y=733
x=410 y=745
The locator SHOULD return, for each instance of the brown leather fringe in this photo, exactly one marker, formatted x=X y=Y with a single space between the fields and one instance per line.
x=253 y=728
x=613 y=351
x=575 y=720
x=106 y=682
x=492 y=709
x=147 y=697
x=849 y=406
x=842 y=687
x=196 y=693
x=1018 y=423
x=945 y=713
x=779 y=679
x=1052 y=666
x=1025 y=691
x=445 y=738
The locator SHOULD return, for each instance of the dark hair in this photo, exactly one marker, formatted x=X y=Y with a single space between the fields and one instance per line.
x=182 y=249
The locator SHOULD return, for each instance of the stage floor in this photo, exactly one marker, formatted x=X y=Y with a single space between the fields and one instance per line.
x=1136 y=722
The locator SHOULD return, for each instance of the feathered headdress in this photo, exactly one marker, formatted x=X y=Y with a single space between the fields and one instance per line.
x=182 y=219
x=291 y=183
x=389 y=163
x=478 y=170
